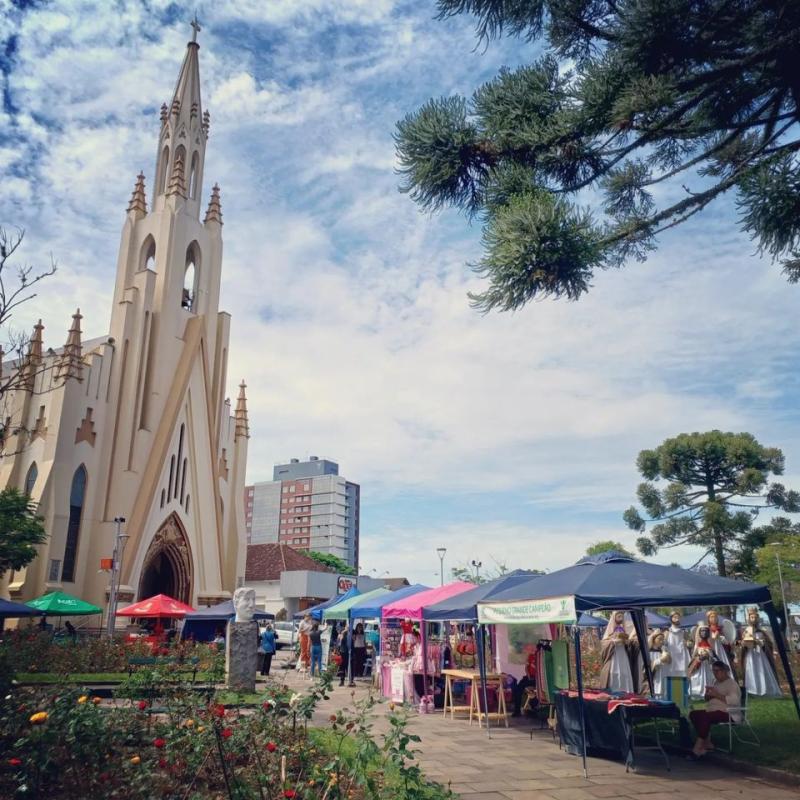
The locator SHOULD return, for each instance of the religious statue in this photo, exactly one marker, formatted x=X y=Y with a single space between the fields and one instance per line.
x=244 y=603
x=699 y=672
x=758 y=663
x=659 y=659
x=675 y=642
x=616 y=673
x=723 y=635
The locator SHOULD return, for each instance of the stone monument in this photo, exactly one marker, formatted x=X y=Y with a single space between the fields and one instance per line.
x=241 y=643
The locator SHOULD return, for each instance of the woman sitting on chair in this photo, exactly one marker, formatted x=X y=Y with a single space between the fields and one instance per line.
x=723 y=696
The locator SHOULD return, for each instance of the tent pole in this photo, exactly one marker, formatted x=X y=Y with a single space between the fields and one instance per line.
x=579 y=679
x=424 y=640
x=777 y=633
x=640 y=624
x=479 y=639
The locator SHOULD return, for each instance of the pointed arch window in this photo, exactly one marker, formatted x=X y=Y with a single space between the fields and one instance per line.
x=76 y=497
x=30 y=479
x=190 y=276
x=193 y=175
x=148 y=254
x=162 y=175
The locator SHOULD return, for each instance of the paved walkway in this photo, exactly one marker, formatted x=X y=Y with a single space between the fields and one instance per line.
x=511 y=766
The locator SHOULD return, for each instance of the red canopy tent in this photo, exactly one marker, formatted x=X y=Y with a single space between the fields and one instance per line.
x=159 y=606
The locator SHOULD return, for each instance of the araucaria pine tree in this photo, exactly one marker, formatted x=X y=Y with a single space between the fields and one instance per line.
x=698 y=97
x=716 y=483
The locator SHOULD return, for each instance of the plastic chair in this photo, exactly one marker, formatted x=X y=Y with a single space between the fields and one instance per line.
x=742 y=730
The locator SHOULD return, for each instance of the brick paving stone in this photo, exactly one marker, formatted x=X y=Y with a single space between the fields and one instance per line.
x=572 y=793
x=484 y=796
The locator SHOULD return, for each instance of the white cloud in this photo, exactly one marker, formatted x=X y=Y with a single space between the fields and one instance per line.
x=350 y=317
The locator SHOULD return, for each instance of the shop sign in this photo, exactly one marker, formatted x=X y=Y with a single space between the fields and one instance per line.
x=345 y=584
x=551 y=609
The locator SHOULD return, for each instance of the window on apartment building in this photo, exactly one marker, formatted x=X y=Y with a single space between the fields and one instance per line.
x=306 y=487
x=284 y=490
x=291 y=489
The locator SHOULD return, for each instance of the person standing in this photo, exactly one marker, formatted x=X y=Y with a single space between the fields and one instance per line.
x=267 y=648
x=359 y=651
x=303 y=629
x=344 y=654
x=315 y=641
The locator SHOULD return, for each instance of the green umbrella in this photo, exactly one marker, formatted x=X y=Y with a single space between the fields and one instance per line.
x=59 y=604
x=339 y=610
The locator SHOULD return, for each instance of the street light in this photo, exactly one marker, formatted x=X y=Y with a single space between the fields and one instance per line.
x=783 y=592
x=440 y=552
x=477 y=565
x=116 y=572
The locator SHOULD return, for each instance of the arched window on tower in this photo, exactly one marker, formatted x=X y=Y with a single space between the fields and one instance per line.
x=30 y=478
x=190 y=275
x=180 y=156
x=148 y=254
x=76 y=497
x=161 y=186
x=193 y=175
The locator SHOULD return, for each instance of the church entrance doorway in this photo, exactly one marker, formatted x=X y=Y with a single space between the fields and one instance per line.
x=168 y=564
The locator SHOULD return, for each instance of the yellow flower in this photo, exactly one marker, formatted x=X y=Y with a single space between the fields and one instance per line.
x=189 y=723
x=39 y=717
x=136 y=760
x=200 y=728
x=83 y=698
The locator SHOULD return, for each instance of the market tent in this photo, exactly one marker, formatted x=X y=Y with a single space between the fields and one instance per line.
x=411 y=607
x=341 y=610
x=587 y=620
x=203 y=623
x=657 y=620
x=316 y=611
x=371 y=609
x=463 y=607
x=613 y=581
x=157 y=607
x=60 y=604
x=690 y=620
x=9 y=609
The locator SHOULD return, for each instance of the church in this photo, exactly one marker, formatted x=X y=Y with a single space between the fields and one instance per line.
x=136 y=424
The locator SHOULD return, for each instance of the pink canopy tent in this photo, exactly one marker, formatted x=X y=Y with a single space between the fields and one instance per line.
x=411 y=607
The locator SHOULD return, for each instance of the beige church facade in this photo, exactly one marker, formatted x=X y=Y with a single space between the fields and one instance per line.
x=136 y=424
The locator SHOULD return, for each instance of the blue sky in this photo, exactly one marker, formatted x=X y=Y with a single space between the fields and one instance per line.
x=508 y=438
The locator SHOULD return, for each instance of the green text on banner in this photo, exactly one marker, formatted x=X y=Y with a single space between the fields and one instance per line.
x=552 y=609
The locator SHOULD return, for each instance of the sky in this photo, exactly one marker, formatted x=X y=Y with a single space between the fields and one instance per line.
x=509 y=439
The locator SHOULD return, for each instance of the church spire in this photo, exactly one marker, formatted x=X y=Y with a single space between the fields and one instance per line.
x=138 y=203
x=34 y=358
x=71 y=364
x=214 y=211
x=184 y=131
x=242 y=426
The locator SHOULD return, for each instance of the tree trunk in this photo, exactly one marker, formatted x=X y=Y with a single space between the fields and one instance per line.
x=719 y=554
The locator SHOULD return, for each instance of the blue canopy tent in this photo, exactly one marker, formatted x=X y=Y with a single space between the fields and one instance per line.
x=587 y=620
x=464 y=607
x=203 y=623
x=371 y=607
x=14 y=610
x=690 y=620
x=614 y=581
x=316 y=611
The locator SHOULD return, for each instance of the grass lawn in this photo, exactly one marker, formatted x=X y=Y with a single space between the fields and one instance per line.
x=777 y=726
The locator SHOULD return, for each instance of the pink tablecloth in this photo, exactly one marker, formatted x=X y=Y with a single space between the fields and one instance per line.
x=409 y=695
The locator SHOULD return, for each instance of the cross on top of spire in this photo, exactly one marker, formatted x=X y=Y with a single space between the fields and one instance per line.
x=195 y=27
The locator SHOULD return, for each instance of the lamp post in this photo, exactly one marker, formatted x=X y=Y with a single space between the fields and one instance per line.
x=783 y=593
x=477 y=565
x=116 y=571
x=440 y=551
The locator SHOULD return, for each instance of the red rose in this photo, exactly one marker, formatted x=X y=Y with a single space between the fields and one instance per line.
x=226 y=733
x=289 y=793
x=163 y=763
x=14 y=762
x=159 y=742
x=142 y=705
x=217 y=710
x=271 y=747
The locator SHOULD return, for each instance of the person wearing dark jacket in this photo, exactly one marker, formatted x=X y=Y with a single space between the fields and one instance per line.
x=267 y=648
x=343 y=645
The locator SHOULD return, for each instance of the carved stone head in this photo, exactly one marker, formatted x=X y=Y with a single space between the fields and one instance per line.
x=244 y=602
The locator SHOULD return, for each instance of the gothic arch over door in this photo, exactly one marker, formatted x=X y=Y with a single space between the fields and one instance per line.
x=168 y=563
